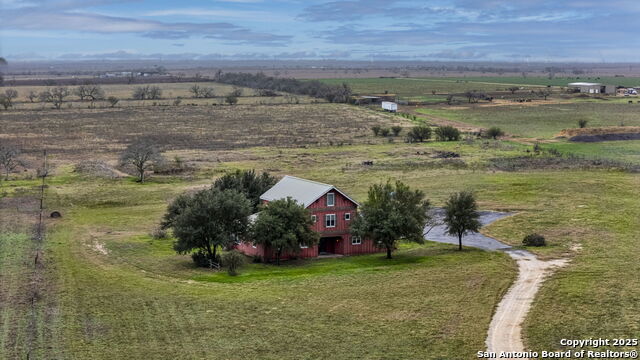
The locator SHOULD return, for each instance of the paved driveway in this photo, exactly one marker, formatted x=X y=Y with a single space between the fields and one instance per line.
x=477 y=240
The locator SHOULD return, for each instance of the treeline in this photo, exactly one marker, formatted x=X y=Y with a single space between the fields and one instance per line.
x=313 y=88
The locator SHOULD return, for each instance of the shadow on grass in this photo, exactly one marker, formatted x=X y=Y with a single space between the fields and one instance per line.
x=426 y=255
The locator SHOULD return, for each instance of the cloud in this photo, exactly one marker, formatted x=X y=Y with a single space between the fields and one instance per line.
x=32 y=19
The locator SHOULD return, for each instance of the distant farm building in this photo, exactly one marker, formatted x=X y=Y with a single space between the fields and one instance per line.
x=593 y=88
x=374 y=98
x=332 y=212
x=389 y=106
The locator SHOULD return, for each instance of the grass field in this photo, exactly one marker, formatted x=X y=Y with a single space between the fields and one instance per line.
x=560 y=81
x=624 y=151
x=541 y=121
x=95 y=132
x=110 y=291
x=170 y=92
x=417 y=87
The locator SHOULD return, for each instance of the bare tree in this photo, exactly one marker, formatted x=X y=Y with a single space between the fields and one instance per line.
x=56 y=96
x=195 y=90
x=8 y=160
x=113 y=101
x=6 y=99
x=207 y=92
x=147 y=92
x=32 y=96
x=154 y=93
x=142 y=155
x=88 y=91
x=513 y=89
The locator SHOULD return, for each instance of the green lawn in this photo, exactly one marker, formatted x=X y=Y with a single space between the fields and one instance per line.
x=542 y=121
x=556 y=81
x=137 y=299
x=627 y=151
x=416 y=88
x=113 y=292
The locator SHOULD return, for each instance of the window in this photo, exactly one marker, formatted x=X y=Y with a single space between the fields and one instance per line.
x=356 y=240
x=331 y=199
x=347 y=216
x=314 y=218
x=330 y=220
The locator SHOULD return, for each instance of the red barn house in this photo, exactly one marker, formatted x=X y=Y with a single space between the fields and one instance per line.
x=331 y=211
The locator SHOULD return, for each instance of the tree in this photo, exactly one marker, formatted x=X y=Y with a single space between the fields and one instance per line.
x=284 y=226
x=376 y=129
x=88 y=91
x=32 y=96
x=471 y=95
x=248 y=183
x=544 y=93
x=494 y=132
x=461 y=215
x=147 y=92
x=208 y=220
x=55 y=96
x=396 y=130
x=142 y=155
x=195 y=90
x=140 y=93
x=513 y=89
x=392 y=212
x=113 y=101
x=231 y=99
x=447 y=133
x=582 y=123
x=419 y=133
x=8 y=160
x=6 y=99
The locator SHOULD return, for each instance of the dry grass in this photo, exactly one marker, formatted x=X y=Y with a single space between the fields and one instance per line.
x=92 y=133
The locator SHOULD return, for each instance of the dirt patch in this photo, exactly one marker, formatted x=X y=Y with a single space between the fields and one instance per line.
x=96 y=168
x=605 y=137
x=569 y=133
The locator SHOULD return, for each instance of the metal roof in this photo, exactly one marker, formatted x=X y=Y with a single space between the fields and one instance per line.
x=305 y=192
x=584 y=84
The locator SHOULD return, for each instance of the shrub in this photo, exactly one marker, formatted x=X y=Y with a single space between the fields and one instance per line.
x=494 y=132
x=447 y=133
x=419 y=133
x=256 y=259
x=582 y=123
x=534 y=240
x=159 y=233
x=396 y=130
x=385 y=132
x=201 y=259
x=233 y=260
x=376 y=130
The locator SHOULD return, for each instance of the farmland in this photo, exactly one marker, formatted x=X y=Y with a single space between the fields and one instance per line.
x=111 y=290
x=541 y=120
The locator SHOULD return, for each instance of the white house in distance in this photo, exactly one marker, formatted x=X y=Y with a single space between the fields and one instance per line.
x=593 y=88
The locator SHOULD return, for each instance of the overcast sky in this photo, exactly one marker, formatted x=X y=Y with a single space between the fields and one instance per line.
x=512 y=30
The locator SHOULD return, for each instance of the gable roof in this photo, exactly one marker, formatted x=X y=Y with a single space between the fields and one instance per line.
x=305 y=192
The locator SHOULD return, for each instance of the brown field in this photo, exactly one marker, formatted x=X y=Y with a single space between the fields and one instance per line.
x=599 y=131
x=170 y=92
x=83 y=133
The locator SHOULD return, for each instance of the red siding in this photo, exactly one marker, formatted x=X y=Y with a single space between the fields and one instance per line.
x=319 y=208
x=342 y=205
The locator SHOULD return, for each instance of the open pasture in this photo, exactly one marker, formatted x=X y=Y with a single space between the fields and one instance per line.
x=417 y=87
x=95 y=132
x=541 y=121
x=170 y=93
